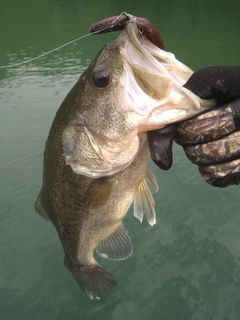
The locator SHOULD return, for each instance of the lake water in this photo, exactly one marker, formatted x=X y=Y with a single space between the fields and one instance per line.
x=185 y=267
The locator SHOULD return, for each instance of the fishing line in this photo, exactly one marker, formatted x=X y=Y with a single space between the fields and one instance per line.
x=46 y=53
x=115 y=22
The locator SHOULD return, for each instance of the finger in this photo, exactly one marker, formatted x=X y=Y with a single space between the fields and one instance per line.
x=160 y=144
x=216 y=82
x=221 y=150
x=222 y=174
x=211 y=125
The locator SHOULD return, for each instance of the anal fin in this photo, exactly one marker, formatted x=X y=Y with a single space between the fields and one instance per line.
x=117 y=246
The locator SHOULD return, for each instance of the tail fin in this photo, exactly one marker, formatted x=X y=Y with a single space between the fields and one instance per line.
x=94 y=280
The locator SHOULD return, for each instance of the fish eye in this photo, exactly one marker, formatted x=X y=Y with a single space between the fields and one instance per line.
x=101 y=78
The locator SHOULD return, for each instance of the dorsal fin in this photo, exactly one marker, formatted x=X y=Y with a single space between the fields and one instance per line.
x=143 y=199
x=39 y=206
x=117 y=246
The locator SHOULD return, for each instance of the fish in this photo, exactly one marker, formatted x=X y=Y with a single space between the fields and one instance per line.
x=96 y=154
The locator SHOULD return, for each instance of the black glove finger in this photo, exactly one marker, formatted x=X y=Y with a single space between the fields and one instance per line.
x=160 y=144
x=211 y=125
x=222 y=174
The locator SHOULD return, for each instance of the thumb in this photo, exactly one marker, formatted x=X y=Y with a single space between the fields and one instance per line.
x=160 y=144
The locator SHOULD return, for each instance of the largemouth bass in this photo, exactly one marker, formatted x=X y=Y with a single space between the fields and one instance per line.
x=96 y=154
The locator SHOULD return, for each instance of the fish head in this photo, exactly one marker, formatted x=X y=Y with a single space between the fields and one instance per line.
x=131 y=87
x=101 y=92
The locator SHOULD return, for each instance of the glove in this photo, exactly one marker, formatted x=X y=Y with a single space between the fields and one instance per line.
x=212 y=139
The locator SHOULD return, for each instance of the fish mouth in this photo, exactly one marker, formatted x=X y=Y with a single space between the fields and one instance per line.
x=153 y=82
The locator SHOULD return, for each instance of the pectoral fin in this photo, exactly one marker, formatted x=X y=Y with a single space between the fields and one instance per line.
x=143 y=199
x=151 y=182
x=98 y=192
x=117 y=246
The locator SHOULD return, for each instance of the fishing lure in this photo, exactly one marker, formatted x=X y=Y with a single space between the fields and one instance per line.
x=117 y=23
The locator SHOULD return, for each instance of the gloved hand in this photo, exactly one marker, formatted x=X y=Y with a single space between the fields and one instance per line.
x=212 y=139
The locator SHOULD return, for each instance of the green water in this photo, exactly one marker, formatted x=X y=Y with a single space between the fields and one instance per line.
x=185 y=267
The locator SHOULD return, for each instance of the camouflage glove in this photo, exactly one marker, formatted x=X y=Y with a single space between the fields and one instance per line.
x=212 y=139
